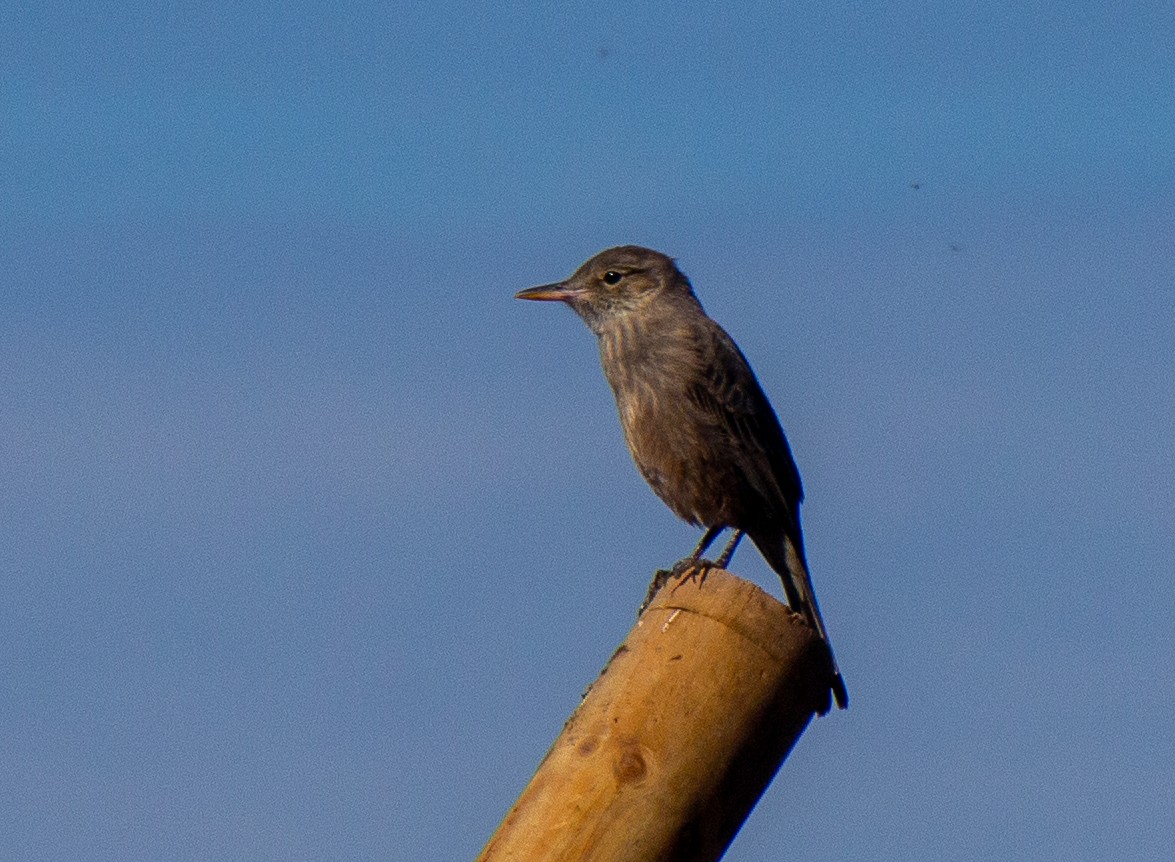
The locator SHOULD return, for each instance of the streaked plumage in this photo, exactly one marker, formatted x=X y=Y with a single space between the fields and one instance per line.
x=698 y=425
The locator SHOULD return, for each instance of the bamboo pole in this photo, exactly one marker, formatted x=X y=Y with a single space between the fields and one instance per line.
x=679 y=736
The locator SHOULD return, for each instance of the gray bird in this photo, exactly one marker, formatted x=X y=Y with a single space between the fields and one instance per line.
x=697 y=423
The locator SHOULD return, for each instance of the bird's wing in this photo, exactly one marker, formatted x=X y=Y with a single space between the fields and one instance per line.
x=729 y=393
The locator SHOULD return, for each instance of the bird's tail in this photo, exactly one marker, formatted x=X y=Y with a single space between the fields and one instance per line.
x=786 y=557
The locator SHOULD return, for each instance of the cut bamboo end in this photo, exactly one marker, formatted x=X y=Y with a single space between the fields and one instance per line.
x=680 y=734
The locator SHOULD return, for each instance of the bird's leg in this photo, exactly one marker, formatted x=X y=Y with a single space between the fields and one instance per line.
x=695 y=567
x=724 y=560
x=695 y=560
x=690 y=564
x=707 y=540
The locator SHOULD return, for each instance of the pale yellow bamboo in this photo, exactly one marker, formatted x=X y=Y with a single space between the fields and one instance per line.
x=679 y=736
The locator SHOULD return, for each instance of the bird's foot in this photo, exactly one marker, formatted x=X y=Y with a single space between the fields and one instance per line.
x=660 y=578
x=691 y=569
x=688 y=569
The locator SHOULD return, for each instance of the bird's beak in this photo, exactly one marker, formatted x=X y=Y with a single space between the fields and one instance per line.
x=559 y=292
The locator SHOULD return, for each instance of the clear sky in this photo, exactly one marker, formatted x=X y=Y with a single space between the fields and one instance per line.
x=311 y=536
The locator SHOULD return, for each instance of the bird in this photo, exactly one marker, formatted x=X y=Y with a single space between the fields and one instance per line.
x=696 y=421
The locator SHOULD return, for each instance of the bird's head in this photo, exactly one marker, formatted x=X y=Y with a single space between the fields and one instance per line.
x=614 y=284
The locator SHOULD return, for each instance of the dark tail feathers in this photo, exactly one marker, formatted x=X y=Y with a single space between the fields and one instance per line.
x=786 y=557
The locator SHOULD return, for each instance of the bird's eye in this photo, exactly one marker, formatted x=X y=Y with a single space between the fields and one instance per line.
x=612 y=277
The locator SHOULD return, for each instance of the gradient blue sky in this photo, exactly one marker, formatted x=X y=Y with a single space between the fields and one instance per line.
x=311 y=536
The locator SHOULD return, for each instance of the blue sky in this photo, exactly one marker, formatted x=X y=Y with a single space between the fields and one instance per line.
x=312 y=536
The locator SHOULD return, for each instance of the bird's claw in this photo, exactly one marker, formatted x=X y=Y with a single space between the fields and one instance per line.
x=660 y=578
x=688 y=569
x=691 y=569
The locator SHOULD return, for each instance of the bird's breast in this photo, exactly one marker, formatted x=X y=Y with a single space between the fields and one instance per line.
x=672 y=447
